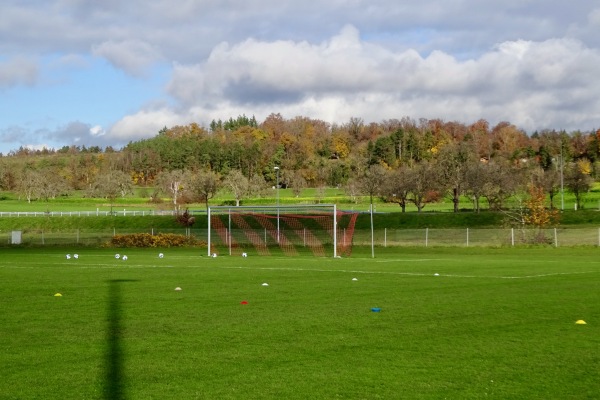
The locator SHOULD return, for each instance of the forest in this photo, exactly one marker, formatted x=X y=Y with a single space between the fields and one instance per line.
x=403 y=161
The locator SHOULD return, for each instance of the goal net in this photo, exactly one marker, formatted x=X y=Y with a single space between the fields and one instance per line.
x=283 y=230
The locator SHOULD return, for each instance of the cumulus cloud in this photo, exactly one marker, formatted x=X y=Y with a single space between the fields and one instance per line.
x=96 y=130
x=533 y=65
x=144 y=124
x=17 y=71
x=535 y=84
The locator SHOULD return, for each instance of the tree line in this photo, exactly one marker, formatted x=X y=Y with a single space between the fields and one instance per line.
x=402 y=161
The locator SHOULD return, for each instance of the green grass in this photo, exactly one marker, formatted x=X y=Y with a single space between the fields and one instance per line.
x=495 y=323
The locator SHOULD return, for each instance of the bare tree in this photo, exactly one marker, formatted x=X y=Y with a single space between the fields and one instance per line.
x=352 y=189
x=29 y=184
x=238 y=184
x=476 y=178
x=372 y=181
x=174 y=183
x=52 y=185
x=398 y=186
x=205 y=184
x=257 y=186
x=296 y=182
x=110 y=185
x=578 y=182
x=548 y=180
x=453 y=163
x=422 y=180
x=502 y=182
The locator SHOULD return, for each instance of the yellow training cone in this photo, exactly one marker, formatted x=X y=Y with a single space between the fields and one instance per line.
x=58 y=295
x=581 y=322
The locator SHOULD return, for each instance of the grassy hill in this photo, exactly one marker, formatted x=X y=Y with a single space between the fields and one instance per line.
x=392 y=220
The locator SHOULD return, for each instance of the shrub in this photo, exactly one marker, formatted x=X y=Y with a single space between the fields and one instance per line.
x=159 y=240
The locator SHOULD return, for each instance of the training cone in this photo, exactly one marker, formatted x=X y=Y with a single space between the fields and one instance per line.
x=354 y=279
x=58 y=295
x=178 y=288
x=265 y=284
x=244 y=302
x=581 y=322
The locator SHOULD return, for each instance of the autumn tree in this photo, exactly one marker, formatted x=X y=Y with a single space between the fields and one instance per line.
x=538 y=215
x=532 y=212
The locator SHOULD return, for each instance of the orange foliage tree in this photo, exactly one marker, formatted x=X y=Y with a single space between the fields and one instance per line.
x=536 y=214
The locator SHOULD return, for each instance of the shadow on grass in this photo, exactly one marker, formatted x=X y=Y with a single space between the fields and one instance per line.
x=114 y=353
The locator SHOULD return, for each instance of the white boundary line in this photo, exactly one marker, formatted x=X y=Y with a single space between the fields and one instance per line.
x=408 y=273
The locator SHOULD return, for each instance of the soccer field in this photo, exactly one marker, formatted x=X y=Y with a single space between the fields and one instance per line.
x=427 y=323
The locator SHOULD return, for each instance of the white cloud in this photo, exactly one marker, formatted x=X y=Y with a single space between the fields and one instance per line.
x=532 y=64
x=144 y=124
x=17 y=71
x=96 y=130
x=532 y=84
x=132 y=56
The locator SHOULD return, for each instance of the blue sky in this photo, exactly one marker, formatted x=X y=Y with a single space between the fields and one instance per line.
x=84 y=72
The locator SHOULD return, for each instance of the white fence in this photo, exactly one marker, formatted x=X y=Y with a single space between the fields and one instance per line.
x=97 y=213
x=479 y=237
x=559 y=237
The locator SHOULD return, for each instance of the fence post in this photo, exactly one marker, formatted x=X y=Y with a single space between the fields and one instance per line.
x=555 y=238
x=467 y=237
x=426 y=236
x=384 y=237
x=512 y=237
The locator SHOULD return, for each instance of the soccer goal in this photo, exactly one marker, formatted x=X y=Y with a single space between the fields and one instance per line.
x=320 y=230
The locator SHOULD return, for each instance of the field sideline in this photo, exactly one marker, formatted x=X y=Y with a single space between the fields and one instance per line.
x=464 y=323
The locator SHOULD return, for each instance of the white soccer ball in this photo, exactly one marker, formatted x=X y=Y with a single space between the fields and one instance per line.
x=75 y=256
x=436 y=274
x=160 y=255
x=214 y=255
x=124 y=258
x=244 y=254
x=117 y=256
x=68 y=256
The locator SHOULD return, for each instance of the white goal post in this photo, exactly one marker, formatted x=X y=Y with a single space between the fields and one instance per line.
x=287 y=230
